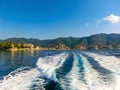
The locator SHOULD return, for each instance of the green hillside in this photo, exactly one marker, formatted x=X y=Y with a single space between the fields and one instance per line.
x=98 y=41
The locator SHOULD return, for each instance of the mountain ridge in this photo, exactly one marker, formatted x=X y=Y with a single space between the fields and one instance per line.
x=95 y=41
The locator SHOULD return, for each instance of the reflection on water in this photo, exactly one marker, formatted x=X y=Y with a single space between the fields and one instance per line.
x=11 y=60
x=14 y=59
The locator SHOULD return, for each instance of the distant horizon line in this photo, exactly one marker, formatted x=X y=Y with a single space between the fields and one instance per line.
x=56 y=37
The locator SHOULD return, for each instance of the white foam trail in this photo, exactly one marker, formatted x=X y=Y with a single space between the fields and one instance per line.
x=49 y=64
x=111 y=63
x=76 y=81
x=24 y=78
x=94 y=79
x=73 y=80
x=19 y=80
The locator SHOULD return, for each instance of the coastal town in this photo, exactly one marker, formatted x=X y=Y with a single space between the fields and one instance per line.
x=29 y=46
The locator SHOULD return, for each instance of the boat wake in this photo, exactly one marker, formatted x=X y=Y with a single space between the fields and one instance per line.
x=48 y=65
x=67 y=71
x=26 y=78
x=20 y=79
x=106 y=74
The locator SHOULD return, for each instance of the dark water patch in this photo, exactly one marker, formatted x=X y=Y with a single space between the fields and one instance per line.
x=53 y=86
x=105 y=73
x=62 y=72
x=66 y=67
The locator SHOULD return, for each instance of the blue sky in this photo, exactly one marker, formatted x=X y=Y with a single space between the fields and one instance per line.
x=47 y=19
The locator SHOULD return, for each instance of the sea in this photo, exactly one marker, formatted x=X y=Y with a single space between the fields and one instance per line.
x=60 y=70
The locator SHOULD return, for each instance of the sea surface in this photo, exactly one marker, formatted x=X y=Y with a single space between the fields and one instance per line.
x=60 y=70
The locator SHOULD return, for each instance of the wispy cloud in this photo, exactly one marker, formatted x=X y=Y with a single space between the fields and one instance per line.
x=111 y=18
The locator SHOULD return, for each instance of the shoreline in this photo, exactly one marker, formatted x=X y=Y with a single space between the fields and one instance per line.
x=23 y=49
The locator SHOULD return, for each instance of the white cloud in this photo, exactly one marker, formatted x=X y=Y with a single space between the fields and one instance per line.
x=112 y=18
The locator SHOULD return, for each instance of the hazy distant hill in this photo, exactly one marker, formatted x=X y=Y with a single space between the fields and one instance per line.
x=23 y=40
x=94 y=41
x=68 y=41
